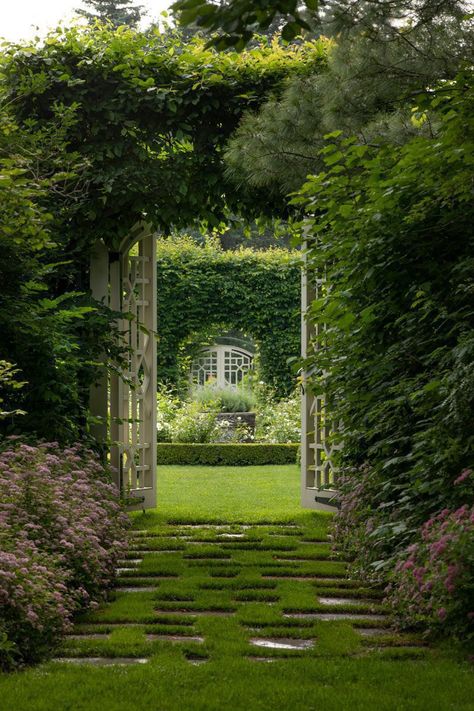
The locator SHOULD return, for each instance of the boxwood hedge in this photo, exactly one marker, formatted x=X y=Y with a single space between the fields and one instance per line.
x=227 y=454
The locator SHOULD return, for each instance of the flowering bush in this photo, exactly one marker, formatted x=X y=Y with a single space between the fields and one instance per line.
x=194 y=423
x=432 y=585
x=186 y=422
x=62 y=531
x=279 y=422
x=354 y=521
x=167 y=406
x=197 y=422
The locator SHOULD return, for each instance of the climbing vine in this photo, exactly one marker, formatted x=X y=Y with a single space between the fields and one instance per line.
x=152 y=115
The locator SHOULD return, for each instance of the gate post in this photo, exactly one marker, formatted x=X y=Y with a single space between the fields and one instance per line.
x=126 y=402
x=318 y=489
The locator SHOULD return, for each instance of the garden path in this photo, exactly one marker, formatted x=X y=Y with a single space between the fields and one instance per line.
x=256 y=592
x=229 y=599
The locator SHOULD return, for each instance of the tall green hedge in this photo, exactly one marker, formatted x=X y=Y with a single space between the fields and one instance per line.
x=204 y=290
x=392 y=230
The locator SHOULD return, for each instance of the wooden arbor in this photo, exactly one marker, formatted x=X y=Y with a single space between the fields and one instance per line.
x=125 y=404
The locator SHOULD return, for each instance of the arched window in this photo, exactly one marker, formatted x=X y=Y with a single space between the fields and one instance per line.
x=221 y=365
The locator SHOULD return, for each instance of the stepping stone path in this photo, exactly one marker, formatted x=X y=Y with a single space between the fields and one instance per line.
x=194 y=587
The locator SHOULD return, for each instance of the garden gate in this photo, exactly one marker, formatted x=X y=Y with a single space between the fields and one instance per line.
x=125 y=403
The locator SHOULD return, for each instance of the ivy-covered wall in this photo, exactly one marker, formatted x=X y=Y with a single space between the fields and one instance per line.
x=203 y=290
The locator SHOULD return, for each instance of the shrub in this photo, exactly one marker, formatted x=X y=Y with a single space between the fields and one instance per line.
x=279 y=422
x=226 y=399
x=62 y=531
x=432 y=585
x=227 y=454
x=390 y=230
x=194 y=423
x=35 y=604
x=167 y=405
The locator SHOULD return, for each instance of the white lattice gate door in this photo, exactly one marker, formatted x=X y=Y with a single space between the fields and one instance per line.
x=318 y=472
x=133 y=394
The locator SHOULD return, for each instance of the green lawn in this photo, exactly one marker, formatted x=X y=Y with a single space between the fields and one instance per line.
x=218 y=587
x=216 y=494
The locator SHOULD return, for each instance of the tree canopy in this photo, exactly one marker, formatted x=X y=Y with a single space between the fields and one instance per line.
x=240 y=19
x=117 y=12
x=367 y=89
x=234 y=22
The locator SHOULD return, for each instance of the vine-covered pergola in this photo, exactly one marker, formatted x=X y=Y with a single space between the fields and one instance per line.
x=149 y=117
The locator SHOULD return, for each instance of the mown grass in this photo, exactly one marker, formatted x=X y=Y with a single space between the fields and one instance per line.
x=249 y=578
x=170 y=683
x=226 y=494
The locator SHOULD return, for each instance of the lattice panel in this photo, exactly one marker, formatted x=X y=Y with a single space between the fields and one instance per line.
x=324 y=448
x=136 y=390
x=318 y=470
x=236 y=365
x=204 y=367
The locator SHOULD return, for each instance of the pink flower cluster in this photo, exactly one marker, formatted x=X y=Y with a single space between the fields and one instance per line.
x=62 y=531
x=356 y=519
x=432 y=583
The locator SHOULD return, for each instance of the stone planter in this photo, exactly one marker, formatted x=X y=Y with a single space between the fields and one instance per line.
x=235 y=420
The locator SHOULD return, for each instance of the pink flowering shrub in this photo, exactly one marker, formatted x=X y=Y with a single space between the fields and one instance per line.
x=62 y=531
x=432 y=585
x=355 y=520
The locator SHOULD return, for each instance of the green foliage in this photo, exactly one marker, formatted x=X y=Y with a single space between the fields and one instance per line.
x=204 y=290
x=156 y=114
x=8 y=652
x=392 y=228
x=240 y=19
x=40 y=330
x=8 y=382
x=276 y=147
x=227 y=454
x=82 y=159
x=226 y=399
x=279 y=422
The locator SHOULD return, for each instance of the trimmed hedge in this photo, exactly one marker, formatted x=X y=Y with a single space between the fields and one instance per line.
x=227 y=454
